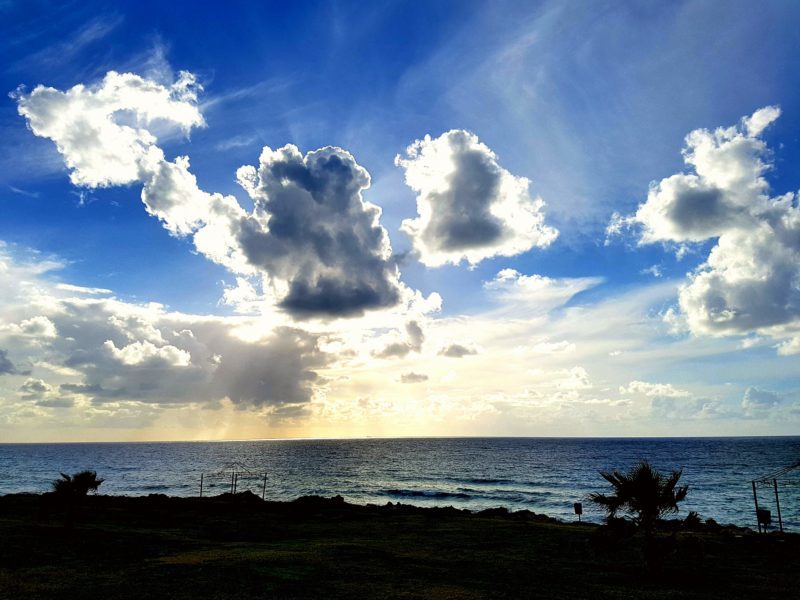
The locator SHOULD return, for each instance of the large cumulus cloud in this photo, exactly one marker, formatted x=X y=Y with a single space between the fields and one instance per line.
x=312 y=230
x=104 y=131
x=312 y=244
x=750 y=281
x=469 y=207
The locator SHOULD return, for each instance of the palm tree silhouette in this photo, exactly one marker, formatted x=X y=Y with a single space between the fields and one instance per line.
x=69 y=493
x=642 y=492
x=78 y=484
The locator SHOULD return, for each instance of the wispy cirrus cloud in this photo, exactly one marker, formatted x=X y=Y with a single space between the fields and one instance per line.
x=22 y=192
x=65 y=50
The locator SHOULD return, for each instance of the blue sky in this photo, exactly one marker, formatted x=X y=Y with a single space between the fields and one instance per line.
x=589 y=101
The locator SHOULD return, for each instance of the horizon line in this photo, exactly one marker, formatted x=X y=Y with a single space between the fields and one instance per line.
x=410 y=437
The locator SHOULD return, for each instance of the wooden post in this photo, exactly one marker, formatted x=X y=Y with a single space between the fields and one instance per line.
x=235 y=482
x=201 y=485
x=233 y=491
x=778 y=504
x=755 y=499
x=264 y=488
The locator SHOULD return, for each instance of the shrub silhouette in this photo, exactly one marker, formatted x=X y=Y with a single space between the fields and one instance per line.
x=693 y=522
x=77 y=485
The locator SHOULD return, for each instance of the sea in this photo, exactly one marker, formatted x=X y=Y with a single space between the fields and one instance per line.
x=543 y=475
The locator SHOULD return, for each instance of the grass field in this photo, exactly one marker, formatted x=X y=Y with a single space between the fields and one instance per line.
x=159 y=547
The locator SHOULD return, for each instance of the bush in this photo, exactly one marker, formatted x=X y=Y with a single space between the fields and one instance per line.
x=77 y=485
x=692 y=522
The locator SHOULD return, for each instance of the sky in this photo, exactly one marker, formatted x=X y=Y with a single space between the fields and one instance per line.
x=337 y=219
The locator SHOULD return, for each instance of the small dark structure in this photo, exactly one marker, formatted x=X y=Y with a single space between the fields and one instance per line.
x=233 y=476
x=578 y=506
x=763 y=516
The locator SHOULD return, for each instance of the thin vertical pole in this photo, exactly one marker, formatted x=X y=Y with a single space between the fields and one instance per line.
x=235 y=482
x=755 y=499
x=778 y=503
x=264 y=488
x=232 y=483
x=201 y=485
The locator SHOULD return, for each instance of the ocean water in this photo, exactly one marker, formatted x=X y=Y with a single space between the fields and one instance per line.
x=545 y=475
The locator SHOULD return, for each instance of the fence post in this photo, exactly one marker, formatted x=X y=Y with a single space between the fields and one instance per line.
x=232 y=474
x=264 y=488
x=778 y=504
x=755 y=499
x=201 y=485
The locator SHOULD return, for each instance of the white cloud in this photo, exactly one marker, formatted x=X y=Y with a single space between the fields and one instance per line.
x=790 y=346
x=320 y=243
x=757 y=402
x=138 y=353
x=654 y=270
x=537 y=293
x=662 y=390
x=575 y=378
x=104 y=131
x=36 y=327
x=79 y=289
x=749 y=282
x=312 y=245
x=469 y=207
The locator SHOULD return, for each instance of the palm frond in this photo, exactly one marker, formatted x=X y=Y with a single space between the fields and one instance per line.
x=643 y=492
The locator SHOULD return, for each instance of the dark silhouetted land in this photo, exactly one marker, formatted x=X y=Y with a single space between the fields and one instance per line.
x=160 y=547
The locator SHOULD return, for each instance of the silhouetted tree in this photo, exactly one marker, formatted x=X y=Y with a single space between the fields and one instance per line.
x=77 y=485
x=69 y=494
x=643 y=492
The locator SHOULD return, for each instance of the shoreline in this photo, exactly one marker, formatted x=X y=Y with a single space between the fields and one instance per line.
x=338 y=501
x=707 y=523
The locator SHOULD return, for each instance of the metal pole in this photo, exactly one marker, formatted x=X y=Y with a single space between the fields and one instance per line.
x=778 y=504
x=755 y=499
x=201 y=485
x=264 y=489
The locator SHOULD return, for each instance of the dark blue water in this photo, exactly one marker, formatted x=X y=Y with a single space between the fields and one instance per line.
x=541 y=474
